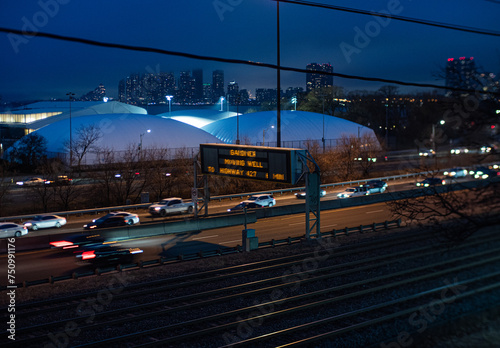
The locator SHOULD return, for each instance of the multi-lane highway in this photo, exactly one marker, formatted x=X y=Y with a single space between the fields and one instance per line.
x=43 y=263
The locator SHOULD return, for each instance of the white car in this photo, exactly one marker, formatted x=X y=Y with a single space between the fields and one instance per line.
x=11 y=229
x=264 y=200
x=45 y=221
x=32 y=182
x=354 y=192
x=427 y=153
x=130 y=218
x=456 y=173
x=459 y=150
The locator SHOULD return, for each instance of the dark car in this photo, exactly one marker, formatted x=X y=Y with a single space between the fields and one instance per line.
x=377 y=186
x=78 y=241
x=107 y=255
x=302 y=194
x=241 y=206
x=106 y=221
x=431 y=182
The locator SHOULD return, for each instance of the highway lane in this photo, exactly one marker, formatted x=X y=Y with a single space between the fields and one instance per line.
x=75 y=223
x=43 y=263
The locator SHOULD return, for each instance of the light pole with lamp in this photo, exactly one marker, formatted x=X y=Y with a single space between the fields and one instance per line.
x=237 y=121
x=264 y=135
x=70 y=95
x=142 y=134
x=169 y=98
x=294 y=101
x=221 y=103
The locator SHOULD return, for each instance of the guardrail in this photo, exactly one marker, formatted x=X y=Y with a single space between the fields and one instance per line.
x=208 y=253
x=230 y=197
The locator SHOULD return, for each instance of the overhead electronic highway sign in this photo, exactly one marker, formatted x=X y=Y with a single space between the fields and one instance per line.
x=252 y=162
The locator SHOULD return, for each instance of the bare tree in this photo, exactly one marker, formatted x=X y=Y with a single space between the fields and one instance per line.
x=86 y=138
x=346 y=153
x=5 y=184
x=369 y=151
x=29 y=152
x=454 y=214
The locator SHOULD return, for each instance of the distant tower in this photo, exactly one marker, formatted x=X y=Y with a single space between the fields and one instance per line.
x=316 y=80
x=198 y=84
x=461 y=73
x=232 y=91
x=217 y=85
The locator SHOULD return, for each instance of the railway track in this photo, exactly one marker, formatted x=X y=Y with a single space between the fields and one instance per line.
x=352 y=295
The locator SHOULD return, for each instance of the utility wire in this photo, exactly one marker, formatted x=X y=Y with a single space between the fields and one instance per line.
x=227 y=60
x=396 y=17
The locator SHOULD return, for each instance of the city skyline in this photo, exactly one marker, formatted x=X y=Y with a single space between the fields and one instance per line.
x=33 y=67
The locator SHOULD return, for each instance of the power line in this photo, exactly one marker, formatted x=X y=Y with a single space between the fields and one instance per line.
x=396 y=17
x=227 y=60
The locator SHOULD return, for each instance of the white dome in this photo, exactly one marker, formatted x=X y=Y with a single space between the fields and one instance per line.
x=296 y=127
x=198 y=118
x=120 y=131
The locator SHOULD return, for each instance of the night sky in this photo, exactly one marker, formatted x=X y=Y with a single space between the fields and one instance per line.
x=41 y=68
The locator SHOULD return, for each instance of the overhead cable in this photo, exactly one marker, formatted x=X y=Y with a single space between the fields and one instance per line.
x=393 y=16
x=225 y=60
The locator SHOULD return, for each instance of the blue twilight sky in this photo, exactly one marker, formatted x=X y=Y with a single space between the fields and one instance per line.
x=35 y=67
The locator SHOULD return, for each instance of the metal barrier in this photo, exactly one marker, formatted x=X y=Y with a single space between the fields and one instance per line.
x=220 y=198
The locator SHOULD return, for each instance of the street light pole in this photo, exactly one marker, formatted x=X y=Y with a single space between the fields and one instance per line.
x=70 y=95
x=140 y=143
x=169 y=98
x=221 y=103
x=237 y=122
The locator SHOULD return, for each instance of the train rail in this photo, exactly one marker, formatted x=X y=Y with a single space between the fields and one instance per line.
x=326 y=295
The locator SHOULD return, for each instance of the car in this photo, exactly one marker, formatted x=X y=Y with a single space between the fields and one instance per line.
x=106 y=221
x=485 y=149
x=242 y=206
x=430 y=182
x=263 y=200
x=302 y=194
x=427 y=153
x=377 y=186
x=32 y=182
x=354 y=192
x=102 y=255
x=45 y=221
x=456 y=173
x=60 y=180
x=78 y=241
x=459 y=150
x=131 y=218
x=484 y=173
x=11 y=229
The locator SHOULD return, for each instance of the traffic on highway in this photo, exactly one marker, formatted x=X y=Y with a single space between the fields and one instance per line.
x=82 y=247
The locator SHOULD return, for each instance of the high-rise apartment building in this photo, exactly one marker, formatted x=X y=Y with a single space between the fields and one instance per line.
x=186 y=88
x=233 y=92
x=461 y=73
x=315 y=79
x=198 y=85
x=217 y=85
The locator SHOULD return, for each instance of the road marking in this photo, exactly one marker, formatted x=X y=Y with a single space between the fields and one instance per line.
x=374 y=211
x=297 y=223
x=328 y=226
x=216 y=235
x=231 y=241
x=288 y=218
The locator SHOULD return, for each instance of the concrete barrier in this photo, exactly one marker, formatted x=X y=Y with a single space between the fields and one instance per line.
x=32 y=242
